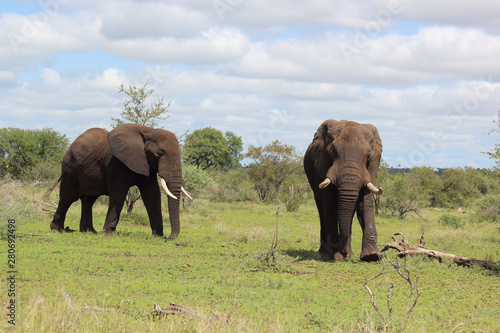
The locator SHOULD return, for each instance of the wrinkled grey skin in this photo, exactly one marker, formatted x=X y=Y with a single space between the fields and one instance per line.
x=348 y=154
x=99 y=163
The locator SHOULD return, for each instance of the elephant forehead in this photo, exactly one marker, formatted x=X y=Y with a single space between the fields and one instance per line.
x=160 y=135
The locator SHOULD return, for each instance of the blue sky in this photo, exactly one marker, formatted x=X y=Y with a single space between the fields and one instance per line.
x=426 y=74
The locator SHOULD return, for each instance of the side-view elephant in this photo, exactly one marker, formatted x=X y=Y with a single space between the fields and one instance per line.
x=99 y=163
x=341 y=165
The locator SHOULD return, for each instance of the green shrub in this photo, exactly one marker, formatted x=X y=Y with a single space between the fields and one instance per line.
x=291 y=192
x=21 y=149
x=233 y=186
x=44 y=171
x=452 y=221
x=195 y=180
x=488 y=208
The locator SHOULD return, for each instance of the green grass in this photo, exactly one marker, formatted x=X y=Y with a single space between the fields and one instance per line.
x=216 y=262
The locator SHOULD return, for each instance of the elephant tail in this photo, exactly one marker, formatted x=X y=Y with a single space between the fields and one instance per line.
x=45 y=196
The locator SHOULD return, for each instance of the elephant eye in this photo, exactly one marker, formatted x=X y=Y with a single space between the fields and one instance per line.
x=160 y=153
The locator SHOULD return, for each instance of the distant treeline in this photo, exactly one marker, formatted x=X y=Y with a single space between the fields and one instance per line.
x=438 y=171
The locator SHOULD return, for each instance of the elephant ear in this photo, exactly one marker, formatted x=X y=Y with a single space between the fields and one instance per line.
x=376 y=154
x=324 y=135
x=127 y=142
x=321 y=143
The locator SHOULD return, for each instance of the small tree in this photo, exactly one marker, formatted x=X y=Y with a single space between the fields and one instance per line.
x=209 y=148
x=135 y=109
x=137 y=112
x=273 y=164
x=407 y=192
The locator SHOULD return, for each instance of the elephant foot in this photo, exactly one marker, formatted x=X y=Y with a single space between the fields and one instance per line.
x=92 y=230
x=56 y=227
x=159 y=233
x=110 y=232
x=372 y=256
x=337 y=256
x=59 y=228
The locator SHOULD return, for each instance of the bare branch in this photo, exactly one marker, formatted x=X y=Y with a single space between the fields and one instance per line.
x=405 y=274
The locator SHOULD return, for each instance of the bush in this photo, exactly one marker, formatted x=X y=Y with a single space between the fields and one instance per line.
x=44 y=172
x=294 y=191
x=196 y=181
x=21 y=150
x=488 y=208
x=452 y=221
x=233 y=185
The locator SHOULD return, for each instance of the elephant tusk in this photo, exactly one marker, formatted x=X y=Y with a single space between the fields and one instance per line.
x=375 y=190
x=186 y=193
x=324 y=183
x=165 y=187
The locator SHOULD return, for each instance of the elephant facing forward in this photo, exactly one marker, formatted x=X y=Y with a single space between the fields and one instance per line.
x=99 y=163
x=341 y=165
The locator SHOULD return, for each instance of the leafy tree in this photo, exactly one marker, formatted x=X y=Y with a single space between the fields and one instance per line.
x=495 y=152
x=407 y=192
x=235 y=147
x=272 y=166
x=135 y=109
x=137 y=112
x=458 y=187
x=209 y=148
x=21 y=150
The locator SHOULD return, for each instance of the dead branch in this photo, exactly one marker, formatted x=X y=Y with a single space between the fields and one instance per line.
x=229 y=243
x=94 y=308
x=30 y=234
x=221 y=316
x=404 y=248
x=405 y=274
x=67 y=298
x=50 y=205
x=85 y=306
x=175 y=309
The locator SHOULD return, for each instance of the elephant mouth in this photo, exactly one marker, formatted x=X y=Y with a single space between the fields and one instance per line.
x=165 y=187
x=369 y=185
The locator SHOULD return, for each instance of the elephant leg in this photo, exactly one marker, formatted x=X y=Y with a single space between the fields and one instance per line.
x=329 y=229
x=319 y=206
x=67 y=195
x=116 y=201
x=151 y=196
x=366 y=218
x=60 y=215
x=86 y=223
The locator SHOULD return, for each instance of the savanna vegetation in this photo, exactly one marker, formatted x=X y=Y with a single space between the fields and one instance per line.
x=246 y=259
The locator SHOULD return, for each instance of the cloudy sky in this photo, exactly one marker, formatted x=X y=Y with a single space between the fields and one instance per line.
x=425 y=73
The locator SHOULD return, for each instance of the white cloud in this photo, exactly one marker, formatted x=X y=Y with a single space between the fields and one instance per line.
x=425 y=73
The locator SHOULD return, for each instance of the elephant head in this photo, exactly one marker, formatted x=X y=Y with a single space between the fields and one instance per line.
x=146 y=150
x=341 y=164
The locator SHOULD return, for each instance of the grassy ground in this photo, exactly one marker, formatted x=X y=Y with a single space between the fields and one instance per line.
x=92 y=283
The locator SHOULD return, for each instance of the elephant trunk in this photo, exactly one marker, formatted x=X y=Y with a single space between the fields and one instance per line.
x=348 y=187
x=172 y=185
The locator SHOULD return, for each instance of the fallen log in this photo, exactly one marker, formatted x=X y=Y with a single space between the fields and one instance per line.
x=404 y=249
